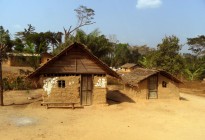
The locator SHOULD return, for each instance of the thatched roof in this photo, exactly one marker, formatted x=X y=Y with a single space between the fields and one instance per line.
x=128 y=65
x=104 y=66
x=140 y=74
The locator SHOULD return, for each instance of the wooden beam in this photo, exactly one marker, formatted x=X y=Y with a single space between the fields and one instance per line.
x=75 y=65
x=83 y=65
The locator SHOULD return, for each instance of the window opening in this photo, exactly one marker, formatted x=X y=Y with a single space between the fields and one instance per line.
x=164 y=84
x=61 y=83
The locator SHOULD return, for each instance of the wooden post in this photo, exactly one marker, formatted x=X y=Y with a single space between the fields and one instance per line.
x=1 y=83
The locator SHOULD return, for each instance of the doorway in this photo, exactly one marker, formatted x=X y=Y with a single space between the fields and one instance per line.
x=86 y=89
x=152 y=87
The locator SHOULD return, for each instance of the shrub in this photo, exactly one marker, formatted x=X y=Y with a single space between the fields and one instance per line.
x=17 y=83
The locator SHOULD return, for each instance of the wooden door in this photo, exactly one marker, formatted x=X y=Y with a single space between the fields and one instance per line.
x=86 y=89
x=152 y=87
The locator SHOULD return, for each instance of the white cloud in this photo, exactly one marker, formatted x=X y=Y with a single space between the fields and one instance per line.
x=142 y=4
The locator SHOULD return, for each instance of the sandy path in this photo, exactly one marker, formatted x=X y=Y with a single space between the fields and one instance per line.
x=145 y=120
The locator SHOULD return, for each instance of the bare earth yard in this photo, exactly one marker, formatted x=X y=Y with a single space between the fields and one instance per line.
x=144 y=120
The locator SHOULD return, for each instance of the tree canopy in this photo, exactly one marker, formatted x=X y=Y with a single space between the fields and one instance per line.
x=167 y=55
x=197 y=45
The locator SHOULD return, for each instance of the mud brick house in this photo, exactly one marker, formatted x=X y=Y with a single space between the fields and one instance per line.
x=45 y=57
x=150 y=84
x=128 y=67
x=74 y=76
x=19 y=59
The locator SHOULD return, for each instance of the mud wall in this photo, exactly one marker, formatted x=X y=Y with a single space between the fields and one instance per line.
x=45 y=58
x=23 y=61
x=136 y=93
x=99 y=89
x=69 y=94
x=171 y=91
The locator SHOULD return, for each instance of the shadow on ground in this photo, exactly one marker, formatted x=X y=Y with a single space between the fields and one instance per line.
x=117 y=97
x=183 y=99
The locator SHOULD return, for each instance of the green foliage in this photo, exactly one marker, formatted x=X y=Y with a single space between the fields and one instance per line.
x=148 y=61
x=197 y=45
x=41 y=42
x=193 y=75
x=122 y=55
x=98 y=44
x=167 y=56
x=5 y=42
x=194 y=67
x=148 y=56
x=19 y=46
x=16 y=83
x=134 y=55
x=29 y=48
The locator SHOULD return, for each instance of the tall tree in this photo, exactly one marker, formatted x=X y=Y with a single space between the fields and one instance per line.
x=134 y=55
x=197 y=45
x=168 y=57
x=122 y=55
x=18 y=45
x=195 y=63
x=85 y=17
x=96 y=42
x=148 y=59
x=42 y=41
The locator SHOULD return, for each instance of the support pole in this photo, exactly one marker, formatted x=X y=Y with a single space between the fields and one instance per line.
x=1 y=82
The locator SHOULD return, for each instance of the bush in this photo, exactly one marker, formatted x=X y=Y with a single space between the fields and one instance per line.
x=17 y=83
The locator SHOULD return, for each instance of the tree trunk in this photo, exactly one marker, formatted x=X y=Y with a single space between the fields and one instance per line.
x=1 y=83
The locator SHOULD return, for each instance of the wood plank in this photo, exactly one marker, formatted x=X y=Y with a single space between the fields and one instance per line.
x=91 y=72
x=64 y=73
x=59 y=70
x=75 y=61
x=83 y=65
x=76 y=65
x=58 y=66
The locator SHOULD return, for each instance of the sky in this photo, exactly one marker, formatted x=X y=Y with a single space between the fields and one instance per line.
x=137 y=22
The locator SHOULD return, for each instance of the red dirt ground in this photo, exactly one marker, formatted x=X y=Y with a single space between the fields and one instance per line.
x=147 y=120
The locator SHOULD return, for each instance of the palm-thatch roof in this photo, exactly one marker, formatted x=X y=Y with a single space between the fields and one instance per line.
x=140 y=74
x=128 y=65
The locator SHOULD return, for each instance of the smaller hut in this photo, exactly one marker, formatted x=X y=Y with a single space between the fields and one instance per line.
x=150 y=84
x=128 y=67
x=20 y=59
x=45 y=57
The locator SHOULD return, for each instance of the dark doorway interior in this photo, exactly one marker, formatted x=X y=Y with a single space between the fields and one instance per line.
x=152 y=86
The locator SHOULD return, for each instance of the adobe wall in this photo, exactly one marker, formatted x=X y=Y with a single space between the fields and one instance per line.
x=20 y=61
x=171 y=91
x=71 y=92
x=125 y=70
x=45 y=58
x=141 y=91
x=6 y=62
x=136 y=93
x=99 y=89
x=68 y=94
